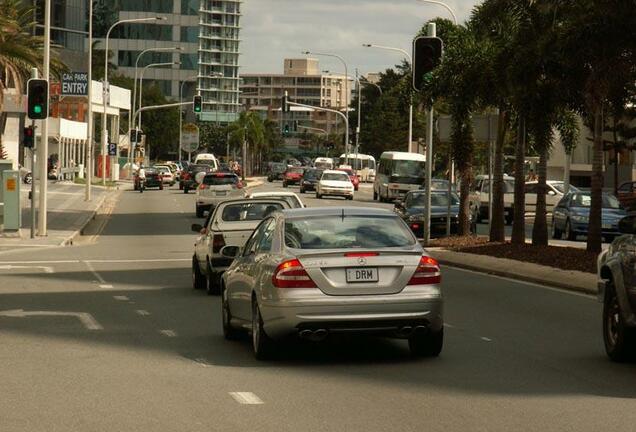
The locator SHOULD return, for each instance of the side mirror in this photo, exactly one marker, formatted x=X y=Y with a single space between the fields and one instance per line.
x=231 y=251
x=196 y=228
x=627 y=225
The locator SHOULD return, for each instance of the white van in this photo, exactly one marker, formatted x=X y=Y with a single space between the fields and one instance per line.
x=207 y=159
x=397 y=174
x=323 y=163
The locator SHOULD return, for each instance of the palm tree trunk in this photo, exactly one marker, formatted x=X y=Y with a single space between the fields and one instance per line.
x=464 y=201
x=519 y=222
x=497 y=226
x=594 y=236
x=540 y=228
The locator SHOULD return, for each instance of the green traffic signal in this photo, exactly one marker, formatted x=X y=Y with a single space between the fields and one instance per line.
x=37 y=109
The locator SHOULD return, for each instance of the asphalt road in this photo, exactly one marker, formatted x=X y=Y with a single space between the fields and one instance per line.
x=109 y=336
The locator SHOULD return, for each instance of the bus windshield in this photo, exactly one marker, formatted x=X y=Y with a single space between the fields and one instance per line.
x=406 y=171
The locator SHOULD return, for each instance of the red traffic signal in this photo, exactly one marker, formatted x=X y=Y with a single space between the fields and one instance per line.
x=28 y=139
x=427 y=55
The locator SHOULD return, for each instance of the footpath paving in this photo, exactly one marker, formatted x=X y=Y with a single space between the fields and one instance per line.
x=528 y=272
x=68 y=213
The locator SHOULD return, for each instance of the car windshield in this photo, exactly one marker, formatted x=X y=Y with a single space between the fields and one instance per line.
x=220 y=180
x=249 y=212
x=336 y=232
x=312 y=174
x=437 y=200
x=323 y=165
x=335 y=177
x=163 y=169
x=408 y=168
x=560 y=187
x=585 y=200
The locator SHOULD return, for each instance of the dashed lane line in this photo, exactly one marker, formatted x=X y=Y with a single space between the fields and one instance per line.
x=246 y=398
x=168 y=333
x=100 y=279
x=485 y=339
x=142 y=312
x=121 y=298
x=106 y=286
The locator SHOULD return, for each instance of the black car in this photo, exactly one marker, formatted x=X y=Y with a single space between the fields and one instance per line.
x=153 y=179
x=310 y=178
x=411 y=210
x=188 y=179
x=276 y=171
x=225 y=168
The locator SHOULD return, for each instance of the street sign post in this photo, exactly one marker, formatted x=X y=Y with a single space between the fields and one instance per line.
x=190 y=138
x=112 y=149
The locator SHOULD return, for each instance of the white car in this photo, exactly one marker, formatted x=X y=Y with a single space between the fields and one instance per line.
x=293 y=199
x=231 y=224
x=555 y=192
x=334 y=183
x=217 y=187
x=166 y=174
x=480 y=195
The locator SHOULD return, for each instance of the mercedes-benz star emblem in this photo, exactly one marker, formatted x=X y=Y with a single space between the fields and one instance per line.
x=362 y=261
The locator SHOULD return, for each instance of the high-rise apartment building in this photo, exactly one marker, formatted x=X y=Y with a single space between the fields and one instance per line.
x=219 y=22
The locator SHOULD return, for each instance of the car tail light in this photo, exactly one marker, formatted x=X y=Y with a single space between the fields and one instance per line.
x=218 y=243
x=203 y=186
x=360 y=254
x=415 y=226
x=292 y=274
x=427 y=273
x=239 y=185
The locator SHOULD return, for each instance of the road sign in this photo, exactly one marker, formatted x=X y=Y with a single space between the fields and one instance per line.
x=189 y=137
x=112 y=149
x=75 y=84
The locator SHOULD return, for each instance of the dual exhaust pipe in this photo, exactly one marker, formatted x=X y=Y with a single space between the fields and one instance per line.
x=314 y=335
x=407 y=330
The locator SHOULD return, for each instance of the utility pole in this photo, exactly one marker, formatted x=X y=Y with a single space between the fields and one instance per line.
x=432 y=32
x=34 y=75
x=43 y=148
x=88 y=162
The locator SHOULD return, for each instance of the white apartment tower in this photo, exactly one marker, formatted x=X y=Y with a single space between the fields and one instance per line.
x=218 y=83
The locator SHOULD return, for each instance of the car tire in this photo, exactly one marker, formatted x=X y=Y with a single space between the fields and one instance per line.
x=180 y=186
x=198 y=280
x=285 y=184
x=212 y=286
x=318 y=196
x=427 y=344
x=229 y=332
x=200 y=212
x=262 y=344
x=350 y=198
x=375 y=195
x=569 y=234
x=619 y=340
x=556 y=233
x=161 y=187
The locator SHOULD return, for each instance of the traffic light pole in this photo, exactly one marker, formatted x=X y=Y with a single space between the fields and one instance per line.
x=157 y=107
x=346 y=119
x=43 y=148
x=432 y=32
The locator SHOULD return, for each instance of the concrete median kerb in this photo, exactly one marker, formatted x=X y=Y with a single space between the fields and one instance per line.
x=518 y=270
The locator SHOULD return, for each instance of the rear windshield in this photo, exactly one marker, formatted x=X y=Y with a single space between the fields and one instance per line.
x=249 y=212
x=199 y=168
x=296 y=170
x=214 y=180
x=335 y=177
x=336 y=232
x=585 y=200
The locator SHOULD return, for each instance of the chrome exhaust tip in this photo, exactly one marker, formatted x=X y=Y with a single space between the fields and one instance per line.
x=421 y=329
x=305 y=334
x=319 y=335
x=405 y=331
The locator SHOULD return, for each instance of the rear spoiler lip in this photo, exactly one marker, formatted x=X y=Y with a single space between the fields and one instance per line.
x=341 y=252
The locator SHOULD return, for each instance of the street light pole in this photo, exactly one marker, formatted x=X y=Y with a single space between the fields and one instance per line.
x=141 y=83
x=43 y=148
x=444 y=5
x=105 y=90
x=410 y=59
x=347 y=149
x=181 y=113
x=88 y=156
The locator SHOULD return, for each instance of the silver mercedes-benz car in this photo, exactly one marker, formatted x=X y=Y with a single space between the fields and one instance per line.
x=313 y=272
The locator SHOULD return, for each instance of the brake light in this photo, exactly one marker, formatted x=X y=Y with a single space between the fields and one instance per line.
x=218 y=243
x=427 y=273
x=360 y=254
x=203 y=186
x=239 y=185
x=292 y=274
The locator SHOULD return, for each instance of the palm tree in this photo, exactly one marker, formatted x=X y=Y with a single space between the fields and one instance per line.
x=249 y=128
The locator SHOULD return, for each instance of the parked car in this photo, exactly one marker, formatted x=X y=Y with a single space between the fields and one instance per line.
x=292 y=175
x=441 y=185
x=334 y=183
x=412 y=209
x=188 y=178
x=166 y=174
x=153 y=179
x=293 y=199
x=217 y=187
x=617 y=291
x=277 y=172
x=479 y=197
x=556 y=190
x=627 y=195
x=223 y=167
x=231 y=224
x=571 y=216
x=310 y=179
x=310 y=273
x=355 y=180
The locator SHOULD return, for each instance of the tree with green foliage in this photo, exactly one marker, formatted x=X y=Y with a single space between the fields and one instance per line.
x=249 y=128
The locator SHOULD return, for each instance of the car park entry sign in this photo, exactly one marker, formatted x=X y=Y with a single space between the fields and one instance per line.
x=75 y=84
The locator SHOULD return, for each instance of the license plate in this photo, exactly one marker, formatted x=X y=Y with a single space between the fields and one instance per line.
x=607 y=226
x=221 y=193
x=362 y=274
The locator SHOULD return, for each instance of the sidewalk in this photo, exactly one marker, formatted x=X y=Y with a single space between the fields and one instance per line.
x=569 y=280
x=68 y=214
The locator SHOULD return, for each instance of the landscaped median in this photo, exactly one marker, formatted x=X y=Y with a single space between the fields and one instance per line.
x=561 y=267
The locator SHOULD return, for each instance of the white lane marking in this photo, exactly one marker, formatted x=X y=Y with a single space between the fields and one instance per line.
x=142 y=312
x=106 y=286
x=87 y=319
x=121 y=298
x=202 y=362
x=168 y=333
x=485 y=339
x=246 y=398
x=18 y=267
x=534 y=284
x=90 y=267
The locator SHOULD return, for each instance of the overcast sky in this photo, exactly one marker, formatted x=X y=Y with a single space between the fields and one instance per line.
x=276 y=29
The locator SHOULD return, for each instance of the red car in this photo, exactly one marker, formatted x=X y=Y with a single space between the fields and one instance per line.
x=292 y=175
x=355 y=180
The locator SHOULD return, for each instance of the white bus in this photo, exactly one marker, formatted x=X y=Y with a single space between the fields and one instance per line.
x=323 y=163
x=207 y=159
x=363 y=165
x=398 y=173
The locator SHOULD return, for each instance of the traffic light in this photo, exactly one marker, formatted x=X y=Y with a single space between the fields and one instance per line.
x=133 y=136
x=285 y=107
x=286 y=130
x=37 y=99
x=198 y=104
x=427 y=54
x=29 y=137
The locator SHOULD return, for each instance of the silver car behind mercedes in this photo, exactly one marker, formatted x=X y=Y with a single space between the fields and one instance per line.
x=314 y=272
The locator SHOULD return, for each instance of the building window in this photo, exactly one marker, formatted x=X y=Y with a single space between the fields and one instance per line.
x=162 y=6
x=189 y=61
x=128 y=58
x=190 y=34
x=144 y=32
